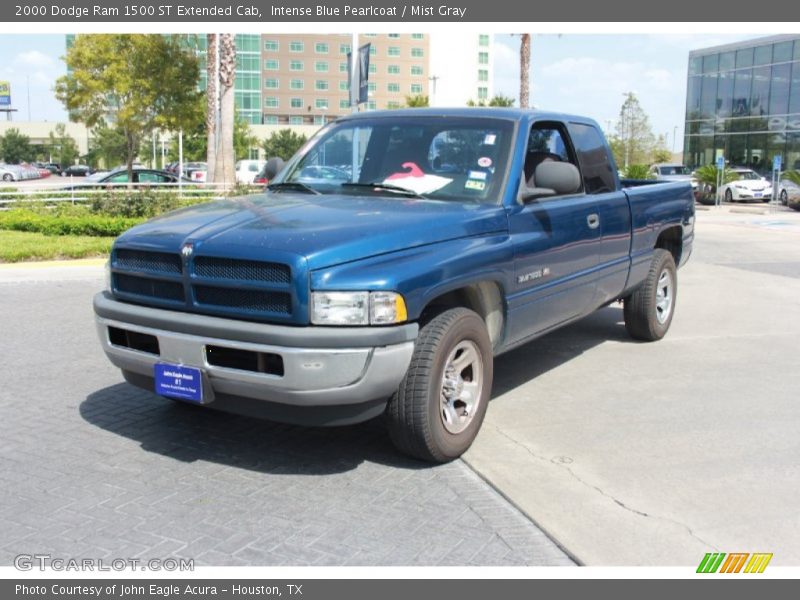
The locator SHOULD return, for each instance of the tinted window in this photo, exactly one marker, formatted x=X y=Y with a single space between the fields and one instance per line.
x=744 y=58
x=598 y=174
x=779 y=91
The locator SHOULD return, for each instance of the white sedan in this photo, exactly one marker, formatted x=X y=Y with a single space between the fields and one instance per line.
x=749 y=186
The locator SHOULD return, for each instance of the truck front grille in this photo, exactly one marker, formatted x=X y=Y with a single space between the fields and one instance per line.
x=261 y=290
x=148 y=288
x=237 y=269
x=155 y=262
x=257 y=301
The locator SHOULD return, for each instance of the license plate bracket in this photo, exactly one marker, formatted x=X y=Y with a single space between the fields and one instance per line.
x=179 y=381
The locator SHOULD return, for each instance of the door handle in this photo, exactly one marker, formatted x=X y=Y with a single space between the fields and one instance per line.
x=593 y=221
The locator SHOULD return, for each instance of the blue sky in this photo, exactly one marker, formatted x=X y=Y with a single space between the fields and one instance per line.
x=588 y=74
x=578 y=73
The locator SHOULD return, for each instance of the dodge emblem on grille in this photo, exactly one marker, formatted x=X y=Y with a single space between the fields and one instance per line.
x=187 y=250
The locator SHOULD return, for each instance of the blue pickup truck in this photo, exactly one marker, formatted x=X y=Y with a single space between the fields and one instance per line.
x=387 y=264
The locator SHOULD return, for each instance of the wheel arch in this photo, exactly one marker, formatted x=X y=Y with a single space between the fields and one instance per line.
x=671 y=240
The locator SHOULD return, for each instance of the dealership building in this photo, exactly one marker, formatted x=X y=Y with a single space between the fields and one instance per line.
x=743 y=103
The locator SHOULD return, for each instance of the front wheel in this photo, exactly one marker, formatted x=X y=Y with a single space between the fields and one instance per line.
x=8 y=177
x=439 y=407
x=648 y=311
x=784 y=198
x=728 y=195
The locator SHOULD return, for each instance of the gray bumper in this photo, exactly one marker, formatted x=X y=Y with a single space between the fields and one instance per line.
x=322 y=367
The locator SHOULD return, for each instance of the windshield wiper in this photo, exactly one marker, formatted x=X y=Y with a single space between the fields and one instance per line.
x=387 y=186
x=292 y=185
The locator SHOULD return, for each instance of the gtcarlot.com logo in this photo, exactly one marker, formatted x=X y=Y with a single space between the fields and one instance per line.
x=735 y=562
x=29 y=562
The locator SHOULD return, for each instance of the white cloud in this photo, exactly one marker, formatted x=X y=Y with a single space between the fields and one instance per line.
x=34 y=58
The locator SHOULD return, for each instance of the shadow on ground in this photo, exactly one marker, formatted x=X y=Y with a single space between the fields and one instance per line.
x=190 y=433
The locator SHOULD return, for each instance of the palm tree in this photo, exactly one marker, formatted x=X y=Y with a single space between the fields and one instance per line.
x=524 y=69
x=418 y=101
x=212 y=78
x=707 y=177
x=224 y=171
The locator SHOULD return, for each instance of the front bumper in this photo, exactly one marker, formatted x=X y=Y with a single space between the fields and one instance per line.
x=321 y=366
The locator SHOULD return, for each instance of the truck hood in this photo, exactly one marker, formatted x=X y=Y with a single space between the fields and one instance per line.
x=327 y=229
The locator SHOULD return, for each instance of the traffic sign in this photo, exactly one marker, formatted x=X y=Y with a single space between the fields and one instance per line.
x=776 y=162
x=720 y=162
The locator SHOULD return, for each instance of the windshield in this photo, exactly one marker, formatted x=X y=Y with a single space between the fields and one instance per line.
x=748 y=175
x=675 y=170
x=441 y=158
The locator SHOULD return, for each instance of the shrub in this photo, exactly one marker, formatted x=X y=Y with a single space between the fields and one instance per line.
x=61 y=224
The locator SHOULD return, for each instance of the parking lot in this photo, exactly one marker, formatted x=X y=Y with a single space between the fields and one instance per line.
x=624 y=453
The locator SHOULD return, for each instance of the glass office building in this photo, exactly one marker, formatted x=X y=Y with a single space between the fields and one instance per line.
x=743 y=103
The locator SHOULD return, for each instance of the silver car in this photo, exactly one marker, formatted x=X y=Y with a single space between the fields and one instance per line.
x=673 y=172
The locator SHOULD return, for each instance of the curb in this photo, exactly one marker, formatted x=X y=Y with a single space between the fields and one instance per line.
x=47 y=264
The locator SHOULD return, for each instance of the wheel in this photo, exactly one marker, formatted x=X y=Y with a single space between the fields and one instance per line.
x=648 y=311
x=728 y=195
x=440 y=404
x=784 y=197
x=8 y=177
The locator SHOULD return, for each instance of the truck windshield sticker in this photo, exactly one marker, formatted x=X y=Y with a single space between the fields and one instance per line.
x=485 y=162
x=490 y=139
x=479 y=175
x=471 y=184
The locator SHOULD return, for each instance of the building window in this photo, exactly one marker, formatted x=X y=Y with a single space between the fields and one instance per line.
x=373 y=68
x=373 y=50
x=483 y=75
x=372 y=105
x=394 y=36
x=392 y=104
x=344 y=85
x=271 y=83
x=270 y=102
x=321 y=103
x=393 y=69
x=343 y=67
x=393 y=88
x=483 y=93
x=319 y=120
x=417 y=36
x=416 y=70
x=394 y=51
x=271 y=64
x=248 y=62
x=321 y=66
x=370 y=35
x=271 y=45
x=416 y=88
x=270 y=120
x=296 y=47
x=296 y=84
x=321 y=48
x=483 y=40
x=321 y=85
x=344 y=103
x=372 y=86
x=483 y=58
x=296 y=102
x=417 y=53
x=296 y=65
x=344 y=48
x=763 y=55
x=295 y=120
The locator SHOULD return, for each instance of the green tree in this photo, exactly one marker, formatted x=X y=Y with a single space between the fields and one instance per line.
x=500 y=100
x=707 y=176
x=283 y=143
x=243 y=138
x=638 y=172
x=195 y=140
x=15 y=147
x=661 y=153
x=108 y=145
x=137 y=83
x=417 y=101
x=63 y=147
x=635 y=137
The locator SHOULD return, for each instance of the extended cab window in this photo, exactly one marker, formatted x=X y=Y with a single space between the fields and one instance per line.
x=549 y=143
x=598 y=174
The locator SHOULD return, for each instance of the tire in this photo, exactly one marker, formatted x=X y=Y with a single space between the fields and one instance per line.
x=648 y=311
x=784 y=198
x=425 y=423
x=728 y=195
x=8 y=177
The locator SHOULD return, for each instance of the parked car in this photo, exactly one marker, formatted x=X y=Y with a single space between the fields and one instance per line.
x=9 y=173
x=749 y=186
x=246 y=170
x=673 y=172
x=120 y=176
x=77 y=171
x=54 y=168
x=788 y=192
x=335 y=301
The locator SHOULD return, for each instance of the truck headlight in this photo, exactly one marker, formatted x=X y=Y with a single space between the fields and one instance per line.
x=357 y=308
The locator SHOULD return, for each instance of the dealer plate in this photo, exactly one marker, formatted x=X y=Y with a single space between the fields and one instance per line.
x=178 y=381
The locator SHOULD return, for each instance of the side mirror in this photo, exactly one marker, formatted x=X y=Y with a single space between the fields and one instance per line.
x=552 y=178
x=273 y=167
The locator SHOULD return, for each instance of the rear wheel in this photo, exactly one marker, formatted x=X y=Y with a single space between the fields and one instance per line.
x=648 y=311
x=784 y=197
x=728 y=195
x=440 y=404
x=8 y=177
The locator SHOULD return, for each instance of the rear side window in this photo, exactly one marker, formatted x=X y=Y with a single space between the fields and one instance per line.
x=598 y=175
